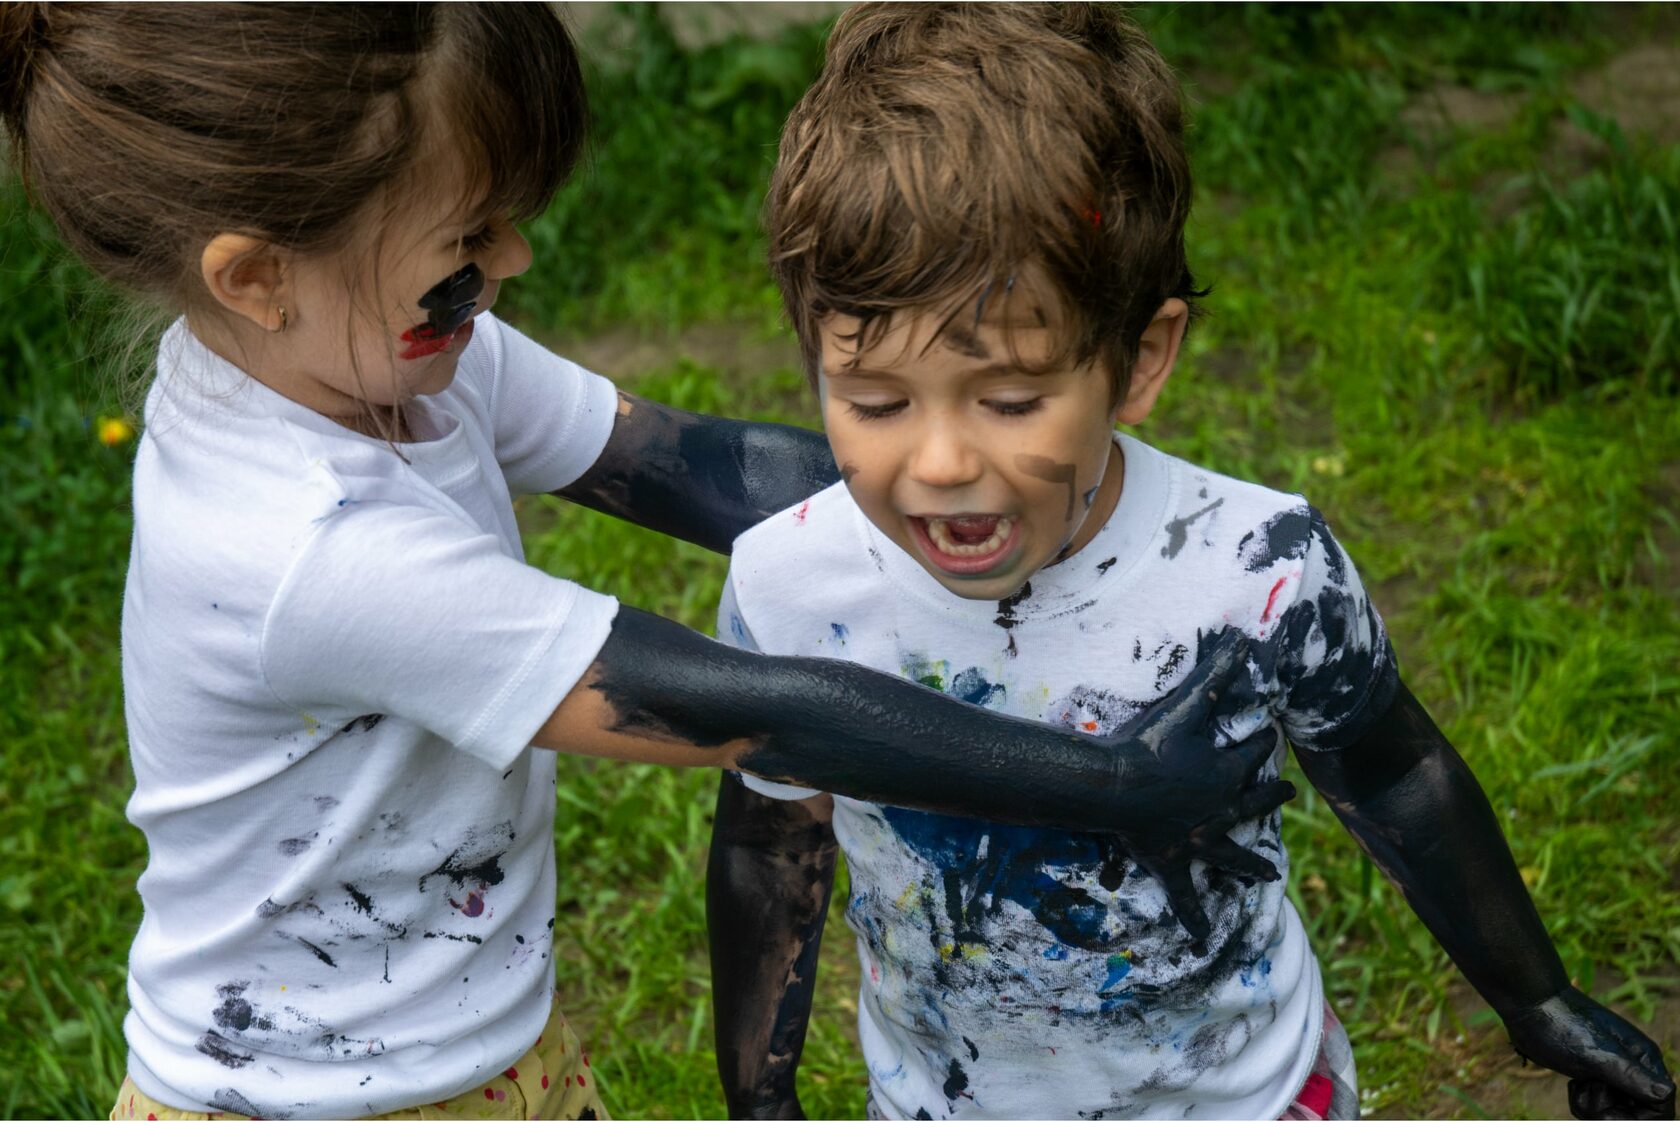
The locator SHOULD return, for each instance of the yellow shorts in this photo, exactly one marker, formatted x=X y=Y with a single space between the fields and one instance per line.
x=551 y=1080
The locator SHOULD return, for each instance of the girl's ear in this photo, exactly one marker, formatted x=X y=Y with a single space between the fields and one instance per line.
x=1157 y=352
x=246 y=276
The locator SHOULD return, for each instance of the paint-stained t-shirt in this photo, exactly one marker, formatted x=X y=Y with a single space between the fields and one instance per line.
x=334 y=659
x=1015 y=972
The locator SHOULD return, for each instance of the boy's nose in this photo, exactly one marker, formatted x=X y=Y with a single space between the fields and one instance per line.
x=944 y=457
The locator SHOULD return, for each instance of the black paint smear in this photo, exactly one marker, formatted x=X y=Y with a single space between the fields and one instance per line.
x=1288 y=535
x=316 y=951
x=362 y=901
x=1043 y=467
x=706 y=480
x=588 y=1113
x=324 y=803
x=232 y=1102
x=453 y=938
x=1006 y=607
x=450 y=302
x=956 y=1082
x=1104 y=566
x=973 y=1052
x=1178 y=530
x=922 y=1115
x=217 y=1048
x=367 y=722
x=476 y=862
x=235 y=1013
x=1175 y=659
x=847 y=471
x=1010 y=651
x=292 y=847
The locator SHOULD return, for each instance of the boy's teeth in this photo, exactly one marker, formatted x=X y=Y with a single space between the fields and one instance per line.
x=945 y=531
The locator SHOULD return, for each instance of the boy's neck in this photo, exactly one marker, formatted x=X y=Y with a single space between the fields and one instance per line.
x=1102 y=505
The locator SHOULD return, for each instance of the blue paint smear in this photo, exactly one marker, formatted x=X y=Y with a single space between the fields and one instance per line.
x=737 y=628
x=839 y=630
x=1118 y=967
x=1056 y=952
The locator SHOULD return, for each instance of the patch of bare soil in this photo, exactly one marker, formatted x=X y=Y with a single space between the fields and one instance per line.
x=1639 y=89
x=1661 y=568
x=625 y=353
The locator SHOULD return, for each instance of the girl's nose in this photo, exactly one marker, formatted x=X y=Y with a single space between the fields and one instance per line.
x=510 y=256
x=944 y=456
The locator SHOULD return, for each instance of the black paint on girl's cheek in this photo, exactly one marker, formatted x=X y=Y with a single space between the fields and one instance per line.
x=1043 y=467
x=450 y=302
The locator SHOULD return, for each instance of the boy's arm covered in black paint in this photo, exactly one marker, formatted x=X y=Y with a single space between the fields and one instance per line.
x=1413 y=805
x=660 y=693
x=700 y=478
x=767 y=888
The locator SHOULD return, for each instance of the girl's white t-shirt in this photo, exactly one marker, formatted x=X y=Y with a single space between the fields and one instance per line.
x=1018 y=972
x=334 y=659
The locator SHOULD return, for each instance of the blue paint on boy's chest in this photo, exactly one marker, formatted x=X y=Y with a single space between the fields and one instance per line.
x=981 y=865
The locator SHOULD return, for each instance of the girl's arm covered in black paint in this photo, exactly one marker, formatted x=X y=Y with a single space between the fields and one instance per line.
x=661 y=693
x=767 y=889
x=1413 y=805
x=700 y=478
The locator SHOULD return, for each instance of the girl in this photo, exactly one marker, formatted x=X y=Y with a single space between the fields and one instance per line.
x=334 y=657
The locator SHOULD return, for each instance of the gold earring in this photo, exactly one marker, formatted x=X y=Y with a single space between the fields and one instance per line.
x=282 y=328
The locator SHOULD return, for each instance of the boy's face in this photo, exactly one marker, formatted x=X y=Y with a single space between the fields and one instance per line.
x=983 y=472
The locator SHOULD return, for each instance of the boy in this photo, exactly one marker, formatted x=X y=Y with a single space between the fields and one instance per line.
x=977 y=223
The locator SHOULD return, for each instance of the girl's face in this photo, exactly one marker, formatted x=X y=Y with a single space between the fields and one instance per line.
x=380 y=332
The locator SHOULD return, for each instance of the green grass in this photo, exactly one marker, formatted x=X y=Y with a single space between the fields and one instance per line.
x=1460 y=344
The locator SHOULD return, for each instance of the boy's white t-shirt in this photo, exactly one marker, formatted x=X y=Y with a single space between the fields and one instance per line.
x=333 y=665
x=1012 y=972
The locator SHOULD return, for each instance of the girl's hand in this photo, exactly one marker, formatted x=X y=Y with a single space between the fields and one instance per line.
x=1615 y=1071
x=1198 y=791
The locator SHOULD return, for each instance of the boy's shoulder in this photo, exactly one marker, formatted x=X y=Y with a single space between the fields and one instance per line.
x=816 y=535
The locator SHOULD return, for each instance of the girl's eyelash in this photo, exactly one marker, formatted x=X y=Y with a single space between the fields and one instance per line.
x=480 y=240
x=873 y=412
x=1016 y=408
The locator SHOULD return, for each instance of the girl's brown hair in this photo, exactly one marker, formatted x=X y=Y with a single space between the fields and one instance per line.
x=144 y=130
x=947 y=148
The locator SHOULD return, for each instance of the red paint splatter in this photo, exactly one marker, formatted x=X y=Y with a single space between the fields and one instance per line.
x=874 y=974
x=512 y=1073
x=568 y=1081
x=1092 y=215
x=489 y=1094
x=799 y=515
x=473 y=908
x=545 y=1082
x=1315 y=1095
x=1089 y=726
x=585 y=1062
x=151 y=1118
x=1265 y=616
x=581 y=1083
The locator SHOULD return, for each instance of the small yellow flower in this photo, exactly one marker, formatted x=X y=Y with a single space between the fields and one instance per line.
x=114 y=431
x=1329 y=465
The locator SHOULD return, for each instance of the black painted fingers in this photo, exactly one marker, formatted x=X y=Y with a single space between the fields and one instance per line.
x=1615 y=1070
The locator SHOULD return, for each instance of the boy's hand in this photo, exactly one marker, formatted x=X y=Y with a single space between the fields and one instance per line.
x=1199 y=791
x=1615 y=1071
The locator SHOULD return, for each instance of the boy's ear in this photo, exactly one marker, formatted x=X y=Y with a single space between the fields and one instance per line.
x=1157 y=352
x=246 y=276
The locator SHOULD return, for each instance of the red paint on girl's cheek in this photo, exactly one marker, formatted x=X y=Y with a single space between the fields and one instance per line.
x=421 y=343
x=1265 y=616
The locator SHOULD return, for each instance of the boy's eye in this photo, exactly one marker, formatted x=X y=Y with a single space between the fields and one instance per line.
x=1014 y=408
x=874 y=412
x=481 y=239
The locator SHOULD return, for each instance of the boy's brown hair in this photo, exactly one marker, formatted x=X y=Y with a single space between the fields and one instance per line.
x=947 y=148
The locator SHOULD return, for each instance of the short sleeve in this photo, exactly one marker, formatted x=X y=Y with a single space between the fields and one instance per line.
x=550 y=418
x=399 y=610
x=1334 y=667
x=732 y=629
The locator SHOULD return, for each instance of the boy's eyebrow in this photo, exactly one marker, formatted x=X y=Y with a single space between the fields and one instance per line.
x=993 y=370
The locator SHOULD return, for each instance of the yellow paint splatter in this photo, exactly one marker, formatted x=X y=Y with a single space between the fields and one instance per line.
x=310 y=724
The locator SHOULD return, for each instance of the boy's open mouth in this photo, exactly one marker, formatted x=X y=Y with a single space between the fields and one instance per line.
x=966 y=544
